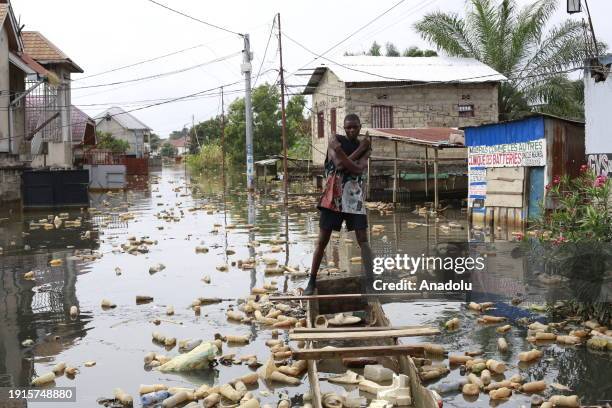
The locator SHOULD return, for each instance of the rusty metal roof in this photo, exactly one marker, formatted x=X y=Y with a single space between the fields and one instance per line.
x=433 y=136
x=79 y=121
x=44 y=51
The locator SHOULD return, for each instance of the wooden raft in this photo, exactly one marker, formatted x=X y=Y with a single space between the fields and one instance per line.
x=367 y=351
x=363 y=335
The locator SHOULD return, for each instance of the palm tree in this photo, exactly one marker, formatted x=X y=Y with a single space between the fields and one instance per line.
x=515 y=43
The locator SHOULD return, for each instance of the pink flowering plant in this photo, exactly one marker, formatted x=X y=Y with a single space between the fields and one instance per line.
x=574 y=239
x=581 y=210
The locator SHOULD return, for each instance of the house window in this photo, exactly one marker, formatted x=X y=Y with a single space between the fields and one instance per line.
x=332 y=120
x=382 y=116
x=320 y=125
x=465 y=111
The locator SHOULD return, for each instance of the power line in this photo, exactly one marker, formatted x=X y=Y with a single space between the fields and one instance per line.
x=350 y=35
x=139 y=62
x=263 y=60
x=178 y=71
x=180 y=98
x=196 y=19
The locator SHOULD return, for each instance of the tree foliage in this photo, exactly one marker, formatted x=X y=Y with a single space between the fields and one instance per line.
x=168 y=150
x=107 y=141
x=517 y=43
x=154 y=141
x=267 y=139
x=392 y=51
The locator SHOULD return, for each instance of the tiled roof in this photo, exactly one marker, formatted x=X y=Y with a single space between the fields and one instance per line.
x=44 y=51
x=177 y=142
x=4 y=9
x=79 y=121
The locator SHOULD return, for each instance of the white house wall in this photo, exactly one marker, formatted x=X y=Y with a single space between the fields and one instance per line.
x=597 y=102
x=331 y=96
x=113 y=127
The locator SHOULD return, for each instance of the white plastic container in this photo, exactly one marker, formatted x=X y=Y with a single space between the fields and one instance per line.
x=377 y=373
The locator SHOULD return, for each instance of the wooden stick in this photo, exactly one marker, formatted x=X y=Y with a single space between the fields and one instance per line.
x=346 y=296
x=350 y=329
x=425 y=331
x=369 y=351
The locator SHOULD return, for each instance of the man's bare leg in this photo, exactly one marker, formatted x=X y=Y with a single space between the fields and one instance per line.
x=367 y=258
x=323 y=240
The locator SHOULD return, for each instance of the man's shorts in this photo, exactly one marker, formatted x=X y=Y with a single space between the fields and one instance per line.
x=332 y=220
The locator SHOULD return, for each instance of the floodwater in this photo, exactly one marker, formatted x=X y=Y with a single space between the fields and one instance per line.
x=117 y=339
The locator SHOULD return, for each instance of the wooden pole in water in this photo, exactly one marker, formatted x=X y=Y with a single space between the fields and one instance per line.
x=426 y=172
x=436 y=180
x=395 y=175
x=223 y=143
x=284 y=135
x=369 y=185
x=283 y=116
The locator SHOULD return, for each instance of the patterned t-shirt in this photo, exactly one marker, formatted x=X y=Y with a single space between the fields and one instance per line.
x=349 y=198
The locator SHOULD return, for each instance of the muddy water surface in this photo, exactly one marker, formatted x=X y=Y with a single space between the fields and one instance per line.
x=117 y=339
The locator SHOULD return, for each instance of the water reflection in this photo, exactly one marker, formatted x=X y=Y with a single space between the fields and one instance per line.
x=118 y=339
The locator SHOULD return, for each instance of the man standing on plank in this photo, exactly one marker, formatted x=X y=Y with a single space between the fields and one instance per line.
x=343 y=197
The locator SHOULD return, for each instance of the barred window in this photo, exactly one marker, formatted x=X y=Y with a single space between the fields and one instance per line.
x=382 y=116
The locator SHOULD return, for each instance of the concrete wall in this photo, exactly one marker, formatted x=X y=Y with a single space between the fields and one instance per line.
x=106 y=176
x=119 y=132
x=413 y=106
x=330 y=94
x=10 y=178
x=4 y=85
x=427 y=105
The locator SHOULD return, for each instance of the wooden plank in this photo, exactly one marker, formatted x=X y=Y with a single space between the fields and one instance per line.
x=368 y=351
x=399 y=295
x=350 y=329
x=356 y=335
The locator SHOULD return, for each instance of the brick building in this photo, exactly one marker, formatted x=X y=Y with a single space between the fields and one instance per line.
x=400 y=92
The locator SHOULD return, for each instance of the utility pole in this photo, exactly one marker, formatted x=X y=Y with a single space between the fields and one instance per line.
x=223 y=144
x=246 y=70
x=283 y=115
x=284 y=136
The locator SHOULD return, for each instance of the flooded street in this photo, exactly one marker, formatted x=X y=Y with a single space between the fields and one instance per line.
x=162 y=210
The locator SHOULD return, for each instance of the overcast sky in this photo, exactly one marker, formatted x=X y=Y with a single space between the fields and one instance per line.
x=100 y=35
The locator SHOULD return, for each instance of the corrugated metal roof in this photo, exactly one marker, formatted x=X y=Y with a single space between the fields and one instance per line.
x=362 y=68
x=44 y=51
x=435 y=137
x=124 y=118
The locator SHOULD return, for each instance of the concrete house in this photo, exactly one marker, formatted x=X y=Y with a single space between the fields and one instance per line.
x=125 y=126
x=12 y=80
x=49 y=101
x=400 y=92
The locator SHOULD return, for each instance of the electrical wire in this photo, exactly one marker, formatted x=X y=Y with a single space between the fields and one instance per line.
x=178 y=71
x=263 y=60
x=177 y=99
x=196 y=19
x=139 y=62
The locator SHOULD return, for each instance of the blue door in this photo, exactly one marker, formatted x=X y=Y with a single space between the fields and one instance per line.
x=536 y=190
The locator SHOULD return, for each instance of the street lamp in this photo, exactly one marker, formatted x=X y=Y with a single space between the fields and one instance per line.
x=573 y=6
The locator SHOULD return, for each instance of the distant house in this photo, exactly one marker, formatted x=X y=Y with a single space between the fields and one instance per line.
x=181 y=146
x=400 y=92
x=83 y=132
x=125 y=126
